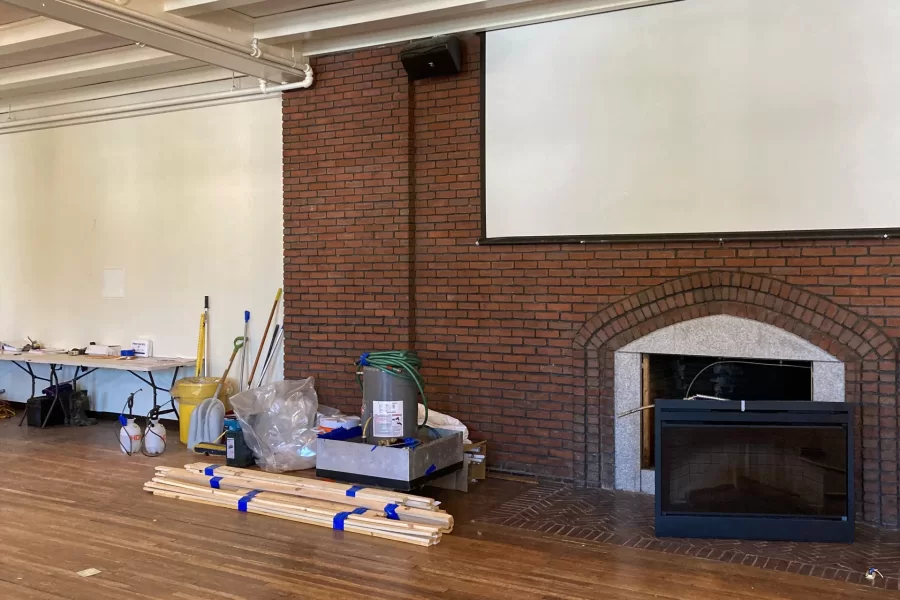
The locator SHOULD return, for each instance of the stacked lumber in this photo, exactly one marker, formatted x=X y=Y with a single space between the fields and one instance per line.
x=368 y=511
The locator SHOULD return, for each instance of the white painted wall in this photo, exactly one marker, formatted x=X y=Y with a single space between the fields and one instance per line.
x=704 y=116
x=188 y=203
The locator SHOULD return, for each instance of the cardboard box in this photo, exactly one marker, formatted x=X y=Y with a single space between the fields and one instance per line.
x=477 y=470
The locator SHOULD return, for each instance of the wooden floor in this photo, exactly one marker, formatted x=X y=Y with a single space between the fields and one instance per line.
x=70 y=501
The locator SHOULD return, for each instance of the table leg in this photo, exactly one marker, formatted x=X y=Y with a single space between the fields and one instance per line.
x=54 y=385
x=33 y=384
x=34 y=379
x=151 y=381
x=171 y=399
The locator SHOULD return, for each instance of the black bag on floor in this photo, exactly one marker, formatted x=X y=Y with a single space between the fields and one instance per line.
x=39 y=407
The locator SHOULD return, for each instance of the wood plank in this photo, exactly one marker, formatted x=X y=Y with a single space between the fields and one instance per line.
x=648 y=434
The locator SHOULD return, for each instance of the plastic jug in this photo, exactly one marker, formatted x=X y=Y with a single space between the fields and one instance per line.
x=129 y=436
x=155 y=438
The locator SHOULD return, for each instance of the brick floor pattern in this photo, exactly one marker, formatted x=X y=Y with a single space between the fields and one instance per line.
x=626 y=519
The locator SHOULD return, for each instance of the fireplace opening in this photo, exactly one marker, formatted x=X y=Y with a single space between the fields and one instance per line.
x=754 y=470
x=683 y=376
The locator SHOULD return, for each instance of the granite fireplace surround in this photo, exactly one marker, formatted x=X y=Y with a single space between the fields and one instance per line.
x=744 y=316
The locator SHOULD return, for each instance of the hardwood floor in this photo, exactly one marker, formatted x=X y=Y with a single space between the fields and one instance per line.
x=69 y=500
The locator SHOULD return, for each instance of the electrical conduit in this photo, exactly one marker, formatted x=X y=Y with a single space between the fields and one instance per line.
x=158 y=106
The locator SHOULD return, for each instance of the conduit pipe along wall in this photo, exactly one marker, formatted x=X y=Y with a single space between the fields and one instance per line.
x=156 y=107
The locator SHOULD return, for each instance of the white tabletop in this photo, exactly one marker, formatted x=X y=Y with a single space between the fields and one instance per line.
x=99 y=362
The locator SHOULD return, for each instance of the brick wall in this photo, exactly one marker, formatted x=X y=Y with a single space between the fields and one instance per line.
x=382 y=215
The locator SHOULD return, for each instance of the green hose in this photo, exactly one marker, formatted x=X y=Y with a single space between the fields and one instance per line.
x=398 y=363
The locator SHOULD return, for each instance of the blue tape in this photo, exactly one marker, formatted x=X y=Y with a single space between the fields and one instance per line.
x=242 y=503
x=353 y=489
x=214 y=482
x=390 y=511
x=364 y=359
x=430 y=470
x=208 y=471
x=338 y=521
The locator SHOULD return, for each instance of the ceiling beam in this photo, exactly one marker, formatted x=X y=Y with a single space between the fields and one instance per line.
x=224 y=48
x=192 y=8
x=39 y=32
x=111 y=89
x=346 y=14
x=512 y=15
x=77 y=70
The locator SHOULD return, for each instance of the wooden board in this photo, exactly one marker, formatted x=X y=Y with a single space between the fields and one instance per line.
x=648 y=447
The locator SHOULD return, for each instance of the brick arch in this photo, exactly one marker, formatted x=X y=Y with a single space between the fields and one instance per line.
x=869 y=355
x=829 y=326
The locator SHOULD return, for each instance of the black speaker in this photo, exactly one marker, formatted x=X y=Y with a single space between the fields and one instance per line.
x=433 y=58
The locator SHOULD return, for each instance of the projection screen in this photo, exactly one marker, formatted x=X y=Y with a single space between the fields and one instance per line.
x=698 y=118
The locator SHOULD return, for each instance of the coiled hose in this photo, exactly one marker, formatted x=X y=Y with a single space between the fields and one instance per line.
x=399 y=363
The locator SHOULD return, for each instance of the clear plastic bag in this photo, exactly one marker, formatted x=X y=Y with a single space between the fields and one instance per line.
x=278 y=421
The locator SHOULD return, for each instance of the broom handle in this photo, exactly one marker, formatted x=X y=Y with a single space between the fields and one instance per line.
x=238 y=344
x=265 y=335
x=201 y=346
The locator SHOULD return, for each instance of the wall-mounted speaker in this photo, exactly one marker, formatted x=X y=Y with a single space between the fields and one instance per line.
x=433 y=57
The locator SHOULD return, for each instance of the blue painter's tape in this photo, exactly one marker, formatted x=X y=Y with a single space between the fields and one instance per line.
x=390 y=511
x=352 y=491
x=208 y=471
x=430 y=470
x=338 y=521
x=214 y=482
x=242 y=503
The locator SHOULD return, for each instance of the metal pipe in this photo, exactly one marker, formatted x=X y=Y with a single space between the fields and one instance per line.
x=143 y=108
x=161 y=25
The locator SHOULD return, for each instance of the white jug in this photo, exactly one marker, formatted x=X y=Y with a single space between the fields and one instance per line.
x=129 y=436
x=155 y=438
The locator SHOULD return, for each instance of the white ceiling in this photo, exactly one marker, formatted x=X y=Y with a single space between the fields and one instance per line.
x=49 y=48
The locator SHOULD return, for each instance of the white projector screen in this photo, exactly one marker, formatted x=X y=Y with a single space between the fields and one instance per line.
x=698 y=118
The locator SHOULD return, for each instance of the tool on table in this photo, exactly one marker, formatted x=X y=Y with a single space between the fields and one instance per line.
x=206 y=329
x=262 y=340
x=208 y=418
x=201 y=346
x=245 y=357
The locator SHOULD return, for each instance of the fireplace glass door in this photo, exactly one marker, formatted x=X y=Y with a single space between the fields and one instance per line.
x=754 y=470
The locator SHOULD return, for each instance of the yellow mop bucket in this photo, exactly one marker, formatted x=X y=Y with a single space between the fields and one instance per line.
x=190 y=392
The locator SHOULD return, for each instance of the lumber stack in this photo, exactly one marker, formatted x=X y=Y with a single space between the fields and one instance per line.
x=368 y=511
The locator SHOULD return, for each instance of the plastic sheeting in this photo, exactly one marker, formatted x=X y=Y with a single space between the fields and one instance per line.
x=279 y=424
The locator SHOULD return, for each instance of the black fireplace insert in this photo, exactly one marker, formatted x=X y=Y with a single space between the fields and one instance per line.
x=761 y=470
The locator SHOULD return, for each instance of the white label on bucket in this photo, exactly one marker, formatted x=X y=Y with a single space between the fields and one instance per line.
x=387 y=419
